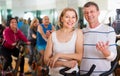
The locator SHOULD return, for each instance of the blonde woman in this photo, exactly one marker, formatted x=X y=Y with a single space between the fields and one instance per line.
x=32 y=31
x=64 y=46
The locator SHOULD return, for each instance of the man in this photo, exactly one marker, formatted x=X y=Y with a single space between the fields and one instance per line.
x=99 y=42
x=43 y=32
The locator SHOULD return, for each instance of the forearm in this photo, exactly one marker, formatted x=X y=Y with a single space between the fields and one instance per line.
x=70 y=64
x=44 y=37
x=59 y=64
x=111 y=57
x=74 y=56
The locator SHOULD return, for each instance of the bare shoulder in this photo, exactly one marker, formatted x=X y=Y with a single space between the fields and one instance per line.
x=39 y=27
x=79 y=31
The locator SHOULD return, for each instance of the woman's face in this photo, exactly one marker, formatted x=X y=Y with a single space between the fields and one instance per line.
x=13 y=24
x=36 y=23
x=69 y=19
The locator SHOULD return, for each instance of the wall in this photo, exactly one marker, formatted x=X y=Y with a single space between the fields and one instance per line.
x=20 y=6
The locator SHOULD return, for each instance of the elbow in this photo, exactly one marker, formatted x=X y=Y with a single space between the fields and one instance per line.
x=45 y=61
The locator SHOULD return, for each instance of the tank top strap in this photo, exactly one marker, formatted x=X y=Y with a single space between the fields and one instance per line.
x=74 y=37
x=54 y=36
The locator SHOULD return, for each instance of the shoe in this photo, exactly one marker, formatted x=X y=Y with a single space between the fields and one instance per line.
x=21 y=74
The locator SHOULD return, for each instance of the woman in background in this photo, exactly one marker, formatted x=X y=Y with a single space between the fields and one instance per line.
x=32 y=34
x=11 y=36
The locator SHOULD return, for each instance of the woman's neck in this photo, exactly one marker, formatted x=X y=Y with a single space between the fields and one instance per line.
x=14 y=30
x=67 y=30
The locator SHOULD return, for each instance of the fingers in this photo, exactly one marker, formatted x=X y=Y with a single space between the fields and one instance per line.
x=51 y=63
x=70 y=64
x=102 y=46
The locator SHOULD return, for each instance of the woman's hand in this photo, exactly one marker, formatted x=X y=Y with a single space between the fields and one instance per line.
x=34 y=36
x=53 y=59
x=28 y=43
x=14 y=44
x=70 y=63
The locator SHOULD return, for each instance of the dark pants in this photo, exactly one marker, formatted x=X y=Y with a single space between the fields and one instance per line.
x=8 y=59
x=31 y=53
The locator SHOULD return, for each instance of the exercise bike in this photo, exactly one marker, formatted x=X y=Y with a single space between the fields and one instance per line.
x=115 y=68
x=74 y=73
x=37 y=69
x=21 y=46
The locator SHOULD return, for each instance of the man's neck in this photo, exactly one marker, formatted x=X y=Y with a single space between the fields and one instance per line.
x=94 y=25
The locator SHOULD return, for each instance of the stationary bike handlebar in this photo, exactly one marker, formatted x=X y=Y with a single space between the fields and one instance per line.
x=62 y=71
x=21 y=43
x=90 y=71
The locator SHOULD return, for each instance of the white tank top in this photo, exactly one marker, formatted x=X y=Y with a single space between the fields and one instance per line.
x=63 y=47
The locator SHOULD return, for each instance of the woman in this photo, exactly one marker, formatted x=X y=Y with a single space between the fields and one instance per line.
x=64 y=46
x=11 y=36
x=32 y=34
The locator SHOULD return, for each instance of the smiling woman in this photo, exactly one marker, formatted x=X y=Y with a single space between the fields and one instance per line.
x=64 y=46
x=12 y=35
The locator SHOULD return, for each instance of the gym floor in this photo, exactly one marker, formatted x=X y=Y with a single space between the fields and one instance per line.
x=25 y=67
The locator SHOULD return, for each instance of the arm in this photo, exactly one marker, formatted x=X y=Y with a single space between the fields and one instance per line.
x=48 y=51
x=48 y=33
x=48 y=55
x=22 y=37
x=40 y=30
x=109 y=48
x=6 y=36
x=70 y=63
x=53 y=28
x=33 y=34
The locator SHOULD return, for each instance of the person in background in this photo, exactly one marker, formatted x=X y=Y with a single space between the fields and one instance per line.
x=65 y=46
x=43 y=32
x=24 y=27
x=20 y=22
x=99 y=42
x=11 y=36
x=32 y=34
x=29 y=21
x=1 y=33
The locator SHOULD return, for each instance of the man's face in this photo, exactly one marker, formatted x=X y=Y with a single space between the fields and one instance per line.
x=91 y=14
x=46 y=20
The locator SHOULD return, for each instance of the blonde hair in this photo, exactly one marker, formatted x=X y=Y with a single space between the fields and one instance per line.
x=32 y=22
x=60 y=24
